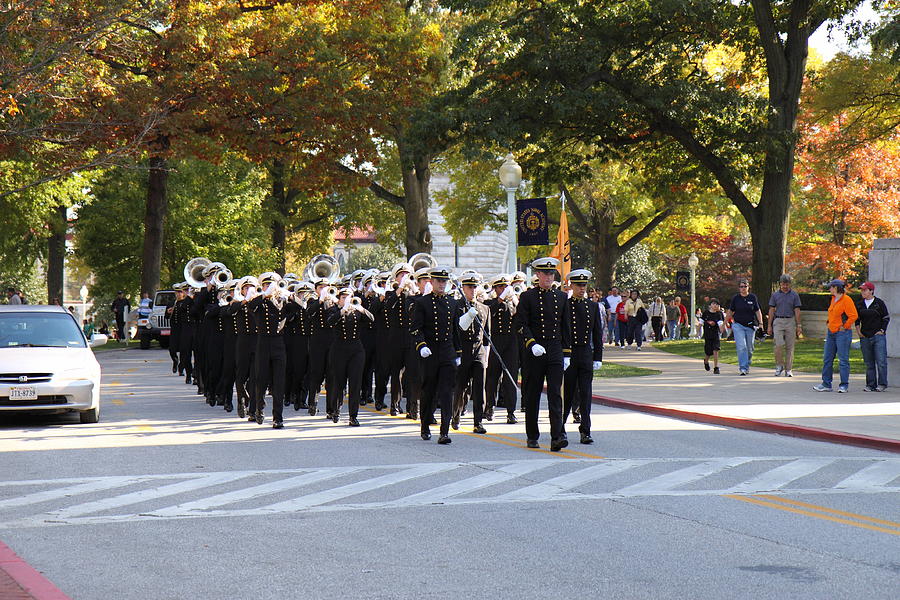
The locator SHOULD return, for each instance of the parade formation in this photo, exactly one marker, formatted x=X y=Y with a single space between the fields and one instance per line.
x=432 y=340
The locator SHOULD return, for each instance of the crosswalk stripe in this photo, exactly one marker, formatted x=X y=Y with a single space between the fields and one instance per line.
x=181 y=487
x=106 y=483
x=781 y=476
x=255 y=491
x=359 y=487
x=471 y=484
x=563 y=483
x=674 y=479
x=876 y=474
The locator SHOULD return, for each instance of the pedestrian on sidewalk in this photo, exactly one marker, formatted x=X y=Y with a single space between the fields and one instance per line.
x=120 y=308
x=612 y=303
x=871 y=326
x=621 y=324
x=745 y=315
x=635 y=322
x=657 y=316
x=672 y=316
x=682 y=317
x=784 y=324
x=841 y=317
x=713 y=322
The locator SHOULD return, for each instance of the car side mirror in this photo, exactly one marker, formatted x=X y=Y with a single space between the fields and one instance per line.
x=98 y=339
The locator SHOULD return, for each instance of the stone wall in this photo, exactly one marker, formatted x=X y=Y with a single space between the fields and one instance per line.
x=884 y=272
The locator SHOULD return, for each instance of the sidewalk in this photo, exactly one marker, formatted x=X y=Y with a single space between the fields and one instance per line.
x=758 y=401
x=20 y=581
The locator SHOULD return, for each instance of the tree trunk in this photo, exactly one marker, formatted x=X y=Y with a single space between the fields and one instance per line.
x=280 y=209
x=56 y=255
x=605 y=253
x=154 y=223
x=416 y=178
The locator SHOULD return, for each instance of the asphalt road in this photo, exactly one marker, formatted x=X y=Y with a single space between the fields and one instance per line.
x=167 y=498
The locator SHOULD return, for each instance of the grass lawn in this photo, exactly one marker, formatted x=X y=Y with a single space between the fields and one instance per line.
x=131 y=345
x=611 y=370
x=807 y=354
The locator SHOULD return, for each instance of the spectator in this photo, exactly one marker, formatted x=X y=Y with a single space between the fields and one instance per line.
x=621 y=324
x=841 y=317
x=145 y=307
x=12 y=297
x=872 y=329
x=784 y=324
x=682 y=316
x=55 y=302
x=635 y=323
x=120 y=308
x=672 y=316
x=22 y=296
x=88 y=328
x=72 y=309
x=713 y=323
x=745 y=315
x=612 y=304
x=657 y=316
x=104 y=328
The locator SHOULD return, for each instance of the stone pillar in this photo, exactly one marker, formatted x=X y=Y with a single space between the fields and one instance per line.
x=884 y=272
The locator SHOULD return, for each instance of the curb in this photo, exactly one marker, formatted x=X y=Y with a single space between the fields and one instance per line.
x=809 y=433
x=24 y=576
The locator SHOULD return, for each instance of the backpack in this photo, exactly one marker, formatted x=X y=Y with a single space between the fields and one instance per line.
x=642 y=316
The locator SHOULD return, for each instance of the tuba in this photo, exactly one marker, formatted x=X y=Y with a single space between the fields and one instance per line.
x=422 y=260
x=193 y=272
x=322 y=267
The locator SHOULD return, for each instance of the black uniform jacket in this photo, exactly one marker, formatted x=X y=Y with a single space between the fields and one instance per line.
x=581 y=327
x=539 y=316
x=434 y=325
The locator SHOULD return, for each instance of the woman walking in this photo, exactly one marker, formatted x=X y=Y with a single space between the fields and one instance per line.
x=635 y=330
x=745 y=315
x=657 y=315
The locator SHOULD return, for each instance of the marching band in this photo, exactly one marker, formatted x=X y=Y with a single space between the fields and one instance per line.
x=418 y=332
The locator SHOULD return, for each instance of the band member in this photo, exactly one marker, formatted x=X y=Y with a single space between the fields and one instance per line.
x=398 y=317
x=382 y=338
x=539 y=319
x=436 y=335
x=225 y=390
x=215 y=349
x=506 y=350
x=297 y=332
x=472 y=317
x=582 y=341
x=270 y=353
x=520 y=279
x=175 y=330
x=368 y=337
x=245 y=351
x=320 y=339
x=347 y=356
x=412 y=370
x=186 y=335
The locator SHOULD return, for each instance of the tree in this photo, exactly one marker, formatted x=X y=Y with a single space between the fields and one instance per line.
x=845 y=201
x=624 y=74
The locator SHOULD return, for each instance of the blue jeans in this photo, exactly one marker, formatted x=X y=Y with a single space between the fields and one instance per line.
x=744 y=339
x=672 y=325
x=837 y=343
x=621 y=332
x=611 y=327
x=874 y=351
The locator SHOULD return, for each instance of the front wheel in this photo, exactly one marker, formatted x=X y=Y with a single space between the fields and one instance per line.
x=164 y=341
x=145 y=340
x=90 y=416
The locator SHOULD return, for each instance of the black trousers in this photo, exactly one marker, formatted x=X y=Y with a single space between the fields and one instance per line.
x=495 y=379
x=175 y=344
x=270 y=368
x=186 y=349
x=225 y=390
x=437 y=390
x=396 y=351
x=120 y=327
x=368 y=373
x=657 y=323
x=382 y=364
x=470 y=371
x=319 y=342
x=412 y=379
x=345 y=361
x=535 y=371
x=215 y=353
x=297 y=347
x=577 y=387
x=245 y=369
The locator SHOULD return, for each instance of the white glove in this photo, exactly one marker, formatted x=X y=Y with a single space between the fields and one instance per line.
x=566 y=362
x=458 y=361
x=507 y=292
x=468 y=318
x=271 y=289
x=428 y=288
x=597 y=365
x=425 y=352
x=323 y=294
x=538 y=350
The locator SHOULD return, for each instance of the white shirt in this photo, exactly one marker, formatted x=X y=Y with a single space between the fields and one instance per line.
x=868 y=302
x=613 y=302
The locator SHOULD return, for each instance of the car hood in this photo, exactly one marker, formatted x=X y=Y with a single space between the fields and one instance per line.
x=47 y=360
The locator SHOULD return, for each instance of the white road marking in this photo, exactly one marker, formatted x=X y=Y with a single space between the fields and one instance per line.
x=556 y=485
x=471 y=484
x=670 y=481
x=880 y=473
x=73 y=490
x=781 y=476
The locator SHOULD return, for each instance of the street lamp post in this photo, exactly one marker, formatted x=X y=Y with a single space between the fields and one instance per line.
x=693 y=261
x=510 y=179
x=83 y=292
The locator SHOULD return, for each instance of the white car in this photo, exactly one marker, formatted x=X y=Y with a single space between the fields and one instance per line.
x=46 y=363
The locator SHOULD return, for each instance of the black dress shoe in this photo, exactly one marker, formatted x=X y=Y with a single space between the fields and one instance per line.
x=533 y=444
x=379 y=405
x=335 y=417
x=557 y=445
x=454 y=423
x=277 y=425
x=174 y=367
x=251 y=419
x=259 y=417
x=576 y=418
x=228 y=406
x=511 y=419
x=313 y=410
x=522 y=409
x=353 y=422
x=242 y=411
x=479 y=428
x=187 y=379
x=444 y=439
x=426 y=436
x=432 y=421
x=287 y=401
x=393 y=411
x=586 y=439
x=181 y=372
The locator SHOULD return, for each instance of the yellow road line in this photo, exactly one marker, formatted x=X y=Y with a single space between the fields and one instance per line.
x=829 y=510
x=497 y=438
x=807 y=513
x=117 y=402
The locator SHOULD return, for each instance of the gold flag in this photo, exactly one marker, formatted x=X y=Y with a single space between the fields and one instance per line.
x=562 y=250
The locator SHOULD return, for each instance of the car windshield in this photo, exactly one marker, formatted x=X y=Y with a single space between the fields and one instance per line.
x=36 y=329
x=165 y=299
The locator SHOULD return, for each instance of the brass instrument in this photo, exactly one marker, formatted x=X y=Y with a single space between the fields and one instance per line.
x=322 y=267
x=422 y=260
x=193 y=272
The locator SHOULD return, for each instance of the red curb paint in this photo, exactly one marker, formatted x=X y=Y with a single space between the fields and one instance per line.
x=810 y=433
x=36 y=586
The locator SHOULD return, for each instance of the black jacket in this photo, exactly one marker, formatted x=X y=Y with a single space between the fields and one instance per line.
x=581 y=327
x=434 y=325
x=873 y=319
x=539 y=316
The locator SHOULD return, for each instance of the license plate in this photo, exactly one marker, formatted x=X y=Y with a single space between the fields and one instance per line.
x=164 y=332
x=23 y=392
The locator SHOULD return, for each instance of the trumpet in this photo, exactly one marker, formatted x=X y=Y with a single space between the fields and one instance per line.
x=518 y=288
